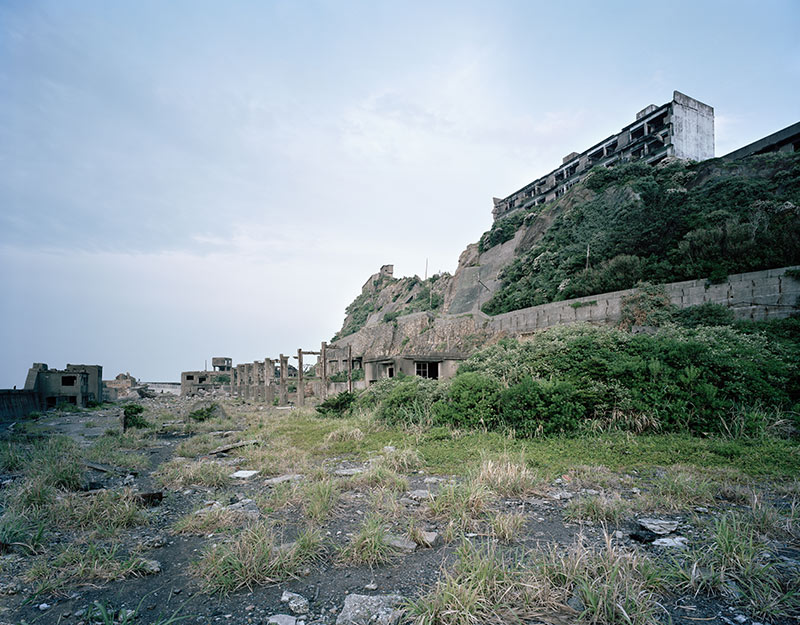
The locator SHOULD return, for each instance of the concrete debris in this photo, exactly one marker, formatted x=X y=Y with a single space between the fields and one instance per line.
x=298 y=604
x=289 y=477
x=243 y=474
x=562 y=495
x=401 y=544
x=678 y=542
x=430 y=539
x=420 y=495
x=151 y=567
x=661 y=527
x=281 y=619
x=246 y=507
x=347 y=472
x=371 y=610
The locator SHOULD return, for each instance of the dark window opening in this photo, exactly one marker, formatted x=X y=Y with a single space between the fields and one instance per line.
x=637 y=133
x=190 y=377
x=428 y=370
x=68 y=380
x=201 y=380
x=390 y=372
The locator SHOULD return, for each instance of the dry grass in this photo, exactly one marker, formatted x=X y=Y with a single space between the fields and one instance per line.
x=369 y=546
x=506 y=526
x=180 y=473
x=379 y=476
x=460 y=505
x=508 y=477
x=209 y=521
x=615 y=587
x=255 y=557
x=598 y=509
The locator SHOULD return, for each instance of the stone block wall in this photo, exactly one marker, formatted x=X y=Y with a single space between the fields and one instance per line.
x=754 y=296
x=16 y=404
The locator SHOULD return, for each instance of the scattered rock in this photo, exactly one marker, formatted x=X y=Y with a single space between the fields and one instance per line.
x=661 y=527
x=151 y=567
x=298 y=604
x=289 y=477
x=129 y=479
x=281 y=619
x=420 y=495
x=701 y=509
x=246 y=507
x=401 y=543
x=562 y=495
x=43 y=607
x=348 y=472
x=154 y=542
x=430 y=539
x=243 y=474
x=576 y=604
x=371 y=586
x=676 y=541
x=432 y=480
x=370 y=610
x=9 y=588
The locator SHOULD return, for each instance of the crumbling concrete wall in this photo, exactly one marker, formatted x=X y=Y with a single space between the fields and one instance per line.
x=16 y=404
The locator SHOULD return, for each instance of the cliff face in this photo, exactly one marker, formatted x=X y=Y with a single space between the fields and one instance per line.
x=671 y=222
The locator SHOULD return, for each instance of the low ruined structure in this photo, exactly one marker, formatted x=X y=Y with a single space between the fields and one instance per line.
x=119 y=387
x=76 y=384
x=431 y=365
x=201 y=382
x=785 y=140
x=682 y=128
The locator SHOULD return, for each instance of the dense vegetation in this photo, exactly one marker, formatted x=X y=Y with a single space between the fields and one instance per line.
x=733 y=379
x=661 y=224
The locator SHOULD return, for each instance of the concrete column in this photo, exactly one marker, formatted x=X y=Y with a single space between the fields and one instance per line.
x=323 y=355
x=269 y=389
x=283 y=397
x=301 y=395
x=350 y=368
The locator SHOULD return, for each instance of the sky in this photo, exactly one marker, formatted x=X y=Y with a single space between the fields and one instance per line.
x=188 y=179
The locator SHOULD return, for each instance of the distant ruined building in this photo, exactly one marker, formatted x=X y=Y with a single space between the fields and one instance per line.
x=682 y=128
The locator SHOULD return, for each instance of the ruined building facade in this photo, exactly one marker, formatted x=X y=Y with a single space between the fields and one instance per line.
x=682 y=128
x=76 y=384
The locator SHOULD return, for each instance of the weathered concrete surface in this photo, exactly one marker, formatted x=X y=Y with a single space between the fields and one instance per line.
x=15 y=404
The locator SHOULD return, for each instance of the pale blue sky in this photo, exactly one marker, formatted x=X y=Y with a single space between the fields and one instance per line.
x=180 y=180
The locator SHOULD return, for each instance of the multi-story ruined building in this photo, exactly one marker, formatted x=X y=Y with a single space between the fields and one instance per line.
x=683 y=128
x=77 y=384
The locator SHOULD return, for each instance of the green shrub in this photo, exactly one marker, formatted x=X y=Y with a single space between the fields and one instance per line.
x=408 y=400
x=132 y=417
x=704 y=315
x=535 y=407
x=472 y=402
x=338 y=405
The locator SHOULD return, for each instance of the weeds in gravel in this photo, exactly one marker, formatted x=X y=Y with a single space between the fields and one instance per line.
x=104 y=512
x=179 y=473
x=319 y=498
x=460 y=504
x=678 y=488
x=508 y=477
x=83 y=565
x=384 y=502
x=381 y=477
x=13 y=456
x=735 y=562
x=209 y=521
x=598 y=509
x=255 y=557
x=614 y=587
x=506 y=526
x=21 y=533
x=400 y=460
x=56 y=461
x=197 y=445
x=596 y=477
x=369 y=546
x=344 y=434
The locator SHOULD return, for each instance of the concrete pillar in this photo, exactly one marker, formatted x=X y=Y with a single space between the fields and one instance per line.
x=269 y=373
x=350 y=368
x=283 y=397
x=301 y=394
x=323 y=355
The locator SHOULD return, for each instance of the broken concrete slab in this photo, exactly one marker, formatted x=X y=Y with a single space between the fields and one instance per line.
x=289 y=477
x=281 y=619
x=401 y=543
x=420 y=495
x=661 y=527
x=298 y=604
x=371 y=610
x=244 y=474
x=678 y=542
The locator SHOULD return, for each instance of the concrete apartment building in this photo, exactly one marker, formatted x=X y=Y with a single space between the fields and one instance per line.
x=682 y=128
x=194 y=381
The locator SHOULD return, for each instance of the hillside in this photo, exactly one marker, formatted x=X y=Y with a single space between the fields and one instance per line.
x=675 y=221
